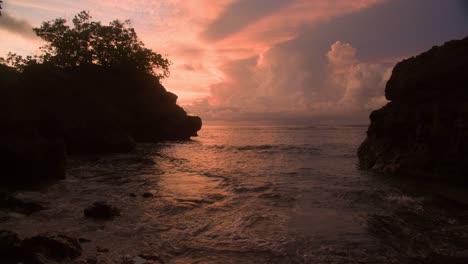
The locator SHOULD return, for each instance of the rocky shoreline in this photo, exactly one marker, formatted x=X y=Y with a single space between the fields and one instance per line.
x=423 y=130
x=52 y=112
x=57 y=247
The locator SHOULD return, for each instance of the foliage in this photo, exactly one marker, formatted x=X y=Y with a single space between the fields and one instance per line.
x=90 y=42
x=17 y=61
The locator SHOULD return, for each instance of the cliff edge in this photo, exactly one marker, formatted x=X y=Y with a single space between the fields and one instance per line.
x=423 y=130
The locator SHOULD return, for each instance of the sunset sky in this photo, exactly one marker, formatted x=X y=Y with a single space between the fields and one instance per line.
x=269 y=60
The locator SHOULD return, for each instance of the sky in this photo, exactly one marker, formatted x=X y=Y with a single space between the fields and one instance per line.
x=272 y=61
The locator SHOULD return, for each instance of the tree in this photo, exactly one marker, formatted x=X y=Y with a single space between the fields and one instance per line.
x=90 y=42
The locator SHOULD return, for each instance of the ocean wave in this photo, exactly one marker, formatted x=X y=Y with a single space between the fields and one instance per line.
x=285 y=148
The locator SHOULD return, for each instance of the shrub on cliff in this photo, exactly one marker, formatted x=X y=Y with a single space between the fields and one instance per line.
x=94 y=85
x=91 y=42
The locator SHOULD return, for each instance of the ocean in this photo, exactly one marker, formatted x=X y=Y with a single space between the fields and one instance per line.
x=251 y=194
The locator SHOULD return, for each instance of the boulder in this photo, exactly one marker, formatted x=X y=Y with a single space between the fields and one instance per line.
x=101 y=211
x=50 y=246
x=14 y=204
x=423 y=130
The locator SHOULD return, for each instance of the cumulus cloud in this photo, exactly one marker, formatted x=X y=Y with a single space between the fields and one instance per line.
x=335 y=63
x=360 y=85
x=279 y=85
x=275 y=59
x=16 y=25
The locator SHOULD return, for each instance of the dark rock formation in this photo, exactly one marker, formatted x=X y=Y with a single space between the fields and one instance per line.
x=14 y=204
x=47 y=111
x=28 y=159
x=50 y=246
x=101 y=211
x=10 y=251
x=147 y=195
x=40 y=249
x=423 y=131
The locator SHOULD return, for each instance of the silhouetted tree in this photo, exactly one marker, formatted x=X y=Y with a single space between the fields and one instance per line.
x=90 y=42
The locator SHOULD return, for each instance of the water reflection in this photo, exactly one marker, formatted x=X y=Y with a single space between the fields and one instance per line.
x=250 y=195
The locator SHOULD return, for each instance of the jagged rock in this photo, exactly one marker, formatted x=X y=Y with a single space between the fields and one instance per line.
x=96 y=108
x=101 y=210
x=423 y=131
x=50 y=247
x=49 y=111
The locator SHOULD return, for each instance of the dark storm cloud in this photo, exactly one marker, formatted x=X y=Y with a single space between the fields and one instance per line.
x=240 y=14
x=16 y=25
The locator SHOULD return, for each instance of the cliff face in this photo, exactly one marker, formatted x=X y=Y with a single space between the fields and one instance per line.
x=48 y=112
x=94 y=109
x=423 y=131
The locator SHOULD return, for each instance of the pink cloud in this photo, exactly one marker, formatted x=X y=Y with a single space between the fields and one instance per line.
x=237 y=67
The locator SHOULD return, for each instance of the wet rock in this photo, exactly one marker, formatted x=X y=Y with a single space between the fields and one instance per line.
x=126 y=260
x=151 y=257
x=91 y=260
x=101 y=249
x=14 y=204
x=83 y=240
x=101 y=210
x=50 y=247
x=10 y=251
x=423 y=131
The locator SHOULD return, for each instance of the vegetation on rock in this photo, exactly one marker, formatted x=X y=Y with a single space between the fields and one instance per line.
x=91 y=42
x=93 y=89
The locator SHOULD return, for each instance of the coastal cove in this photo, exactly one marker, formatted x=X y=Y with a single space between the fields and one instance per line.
x=234 y=132
x=287 y=195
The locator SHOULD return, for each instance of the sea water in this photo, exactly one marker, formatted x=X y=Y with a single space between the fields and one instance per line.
x=250 y=194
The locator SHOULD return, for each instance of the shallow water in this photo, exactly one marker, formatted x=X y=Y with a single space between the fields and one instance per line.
x=252 y=195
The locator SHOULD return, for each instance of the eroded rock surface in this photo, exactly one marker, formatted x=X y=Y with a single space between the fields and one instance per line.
x=423 y=130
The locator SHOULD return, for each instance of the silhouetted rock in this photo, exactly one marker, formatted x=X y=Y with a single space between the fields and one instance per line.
x=147 y=195
x=50 y=247
x=10 y=251
x=47 y=111
x=423 y=131
x=102 y=211
x=28 y=159
x=98 y=139
x=11 y=203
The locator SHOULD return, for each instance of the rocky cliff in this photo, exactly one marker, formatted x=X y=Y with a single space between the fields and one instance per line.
x=47 y=112
x=423 y=130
